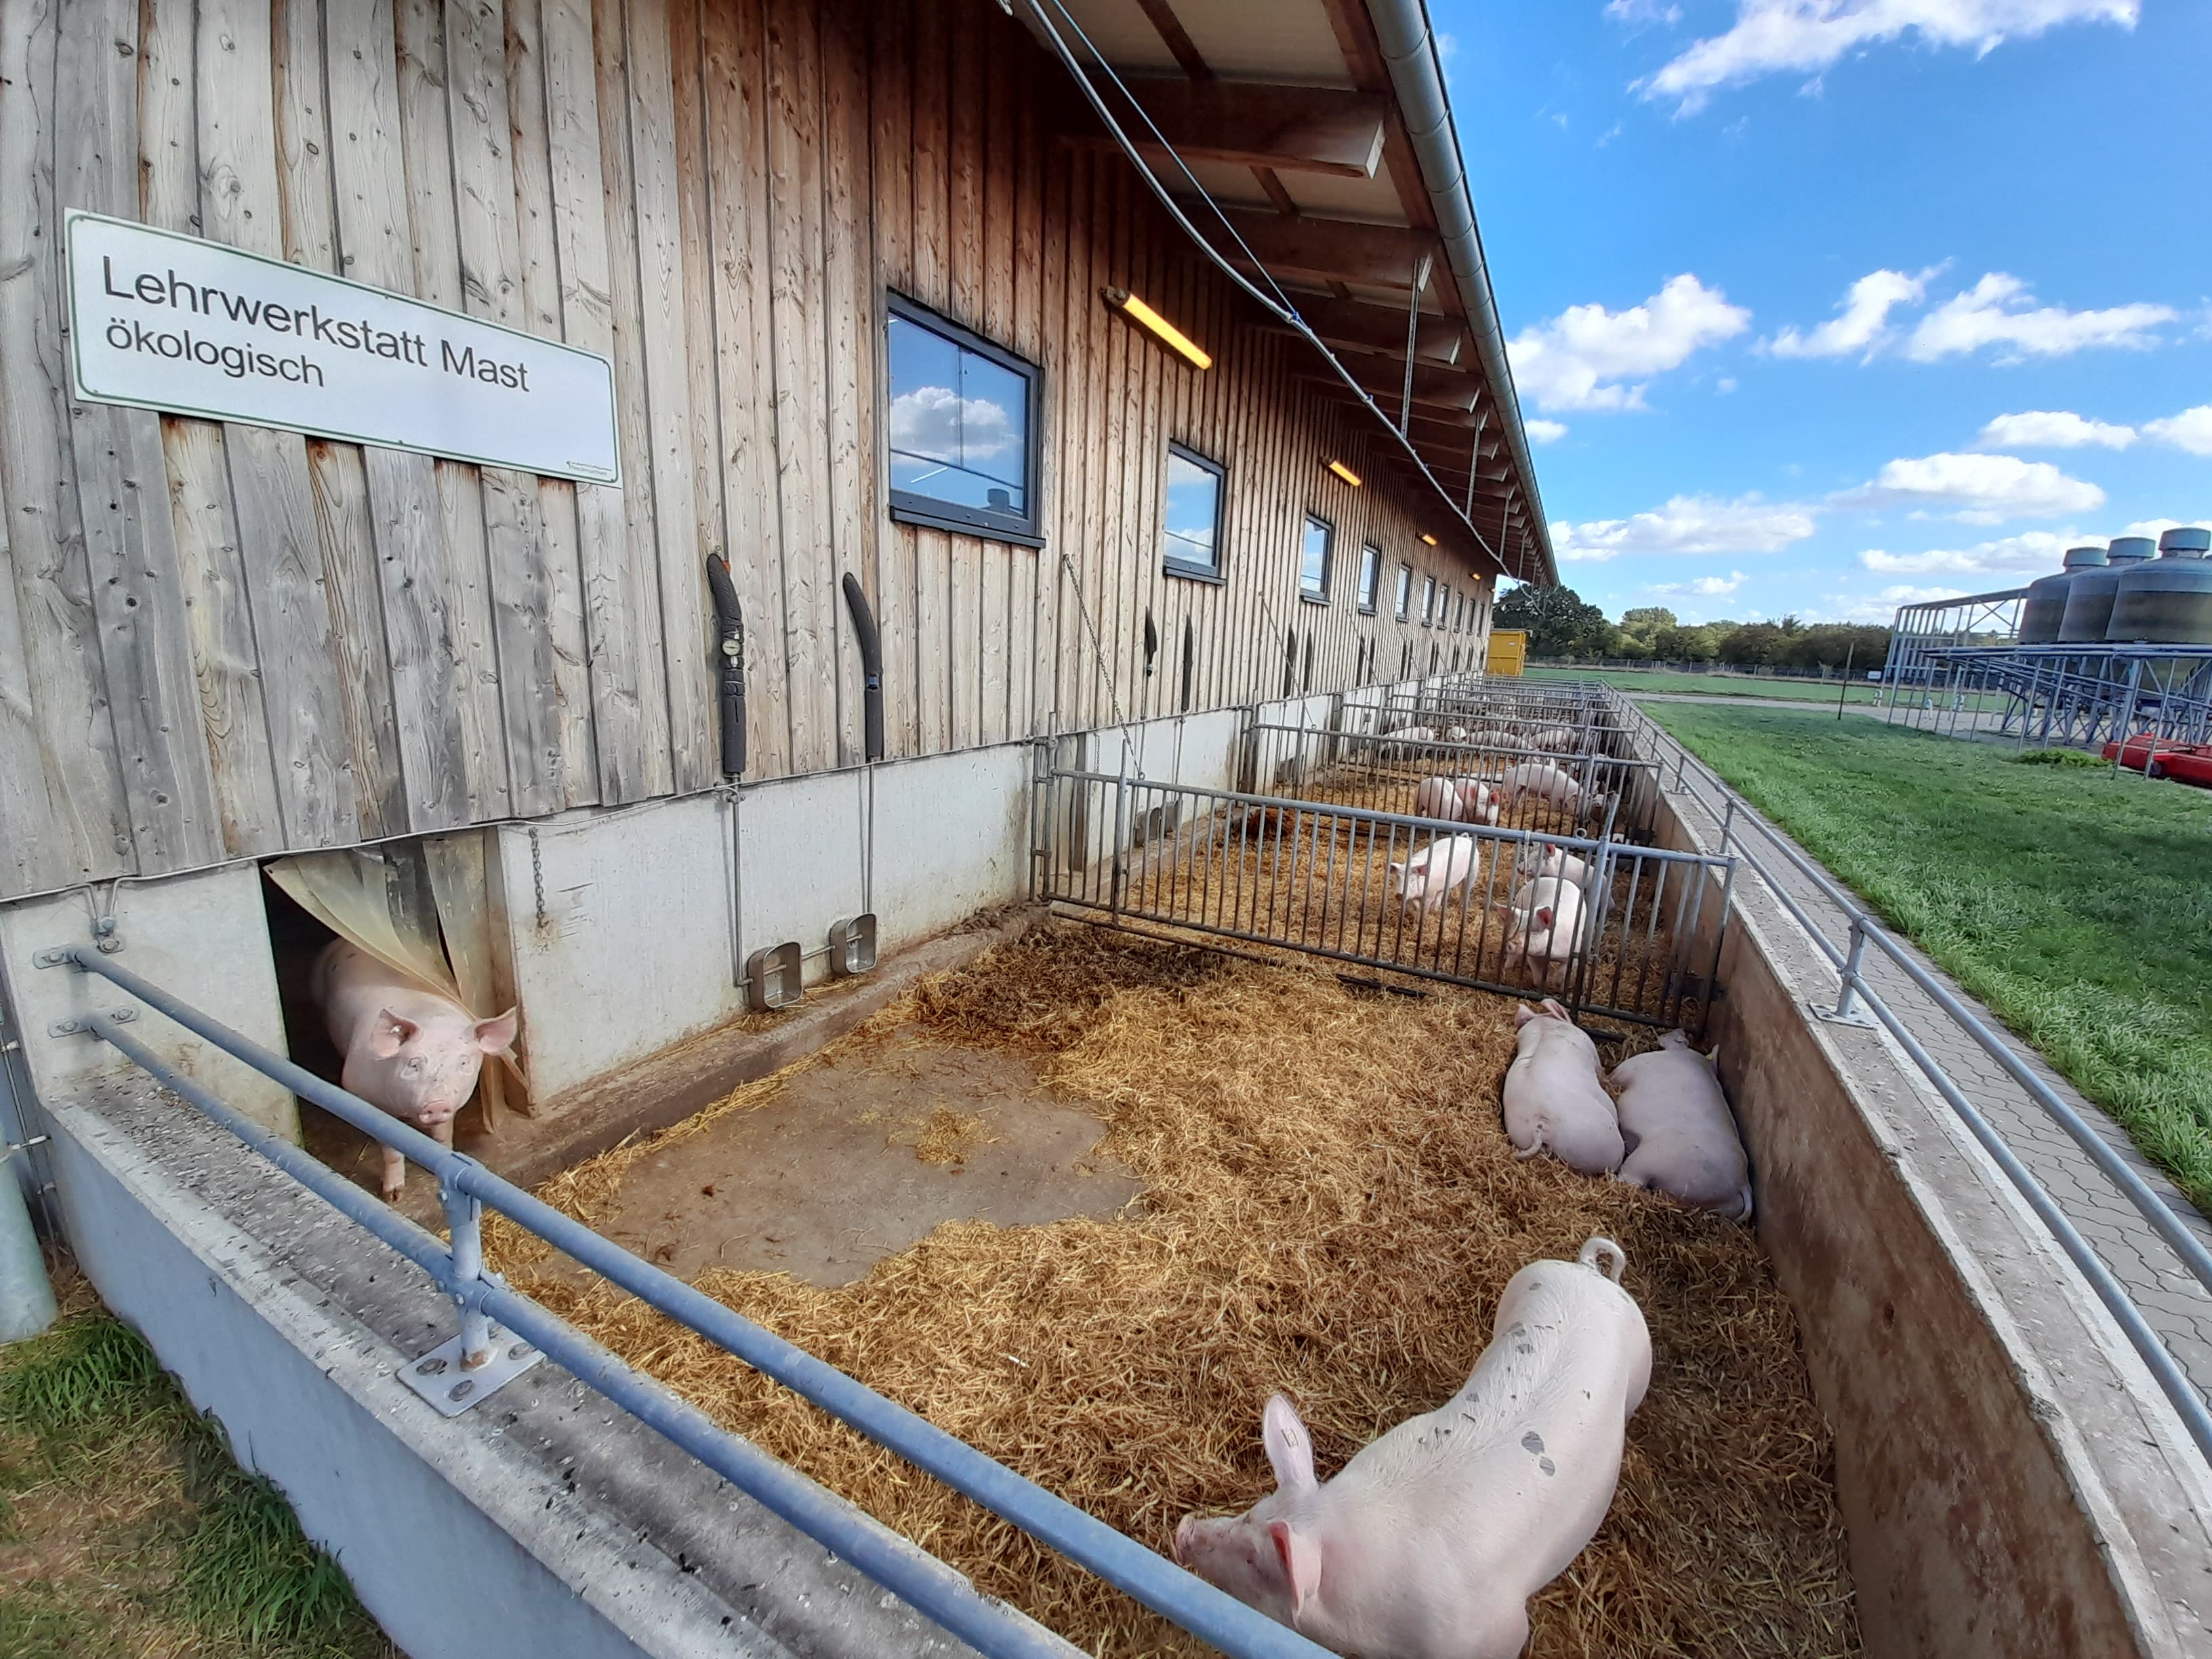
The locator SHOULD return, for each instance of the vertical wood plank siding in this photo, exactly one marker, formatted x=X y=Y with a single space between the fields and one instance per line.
x=221 y=641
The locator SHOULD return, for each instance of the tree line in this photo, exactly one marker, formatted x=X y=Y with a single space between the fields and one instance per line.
x=1561 y=625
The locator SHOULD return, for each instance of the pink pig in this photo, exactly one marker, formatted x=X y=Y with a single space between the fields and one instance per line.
x=1544 y=927
x=408 y=1050
x=1685 y=1140
x=1464 y=800
x=1429 y=877
x=1553 y=1101
x=1428 y=1543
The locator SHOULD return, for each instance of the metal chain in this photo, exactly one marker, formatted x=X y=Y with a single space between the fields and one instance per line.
x=537 y=875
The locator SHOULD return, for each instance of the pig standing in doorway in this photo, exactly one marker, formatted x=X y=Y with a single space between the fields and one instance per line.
x=407 y=1050
x=1428 y=1543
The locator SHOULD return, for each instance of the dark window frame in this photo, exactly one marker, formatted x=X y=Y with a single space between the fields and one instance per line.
x=1218 y=572
x=1428 y=601
x=1405 y=594
x=907 y=507
x=1369 y=594
x=1327 y=559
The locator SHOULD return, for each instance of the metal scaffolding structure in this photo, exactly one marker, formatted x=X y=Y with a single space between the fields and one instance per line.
x=1955 y=666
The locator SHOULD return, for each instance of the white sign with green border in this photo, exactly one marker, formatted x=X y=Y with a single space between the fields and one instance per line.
x=175 y=323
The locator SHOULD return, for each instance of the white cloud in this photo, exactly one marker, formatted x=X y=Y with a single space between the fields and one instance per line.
x=1882 y=607
x=936 y=421
x=1805 y=37
x=2191 y=430
x=1687 y=523
x=1999 y=310
x=1862 y=322
x=1642 y=11
x=1705 y=588
x=2052 y=428
x=1544 y=432
x=1975 y=489
x=2037 y=551
x=1587 y=357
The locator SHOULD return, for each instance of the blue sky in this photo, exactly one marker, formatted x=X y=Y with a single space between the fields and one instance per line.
x=1822 y=304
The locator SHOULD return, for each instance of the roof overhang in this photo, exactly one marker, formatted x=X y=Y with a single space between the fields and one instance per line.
x=1321 y=129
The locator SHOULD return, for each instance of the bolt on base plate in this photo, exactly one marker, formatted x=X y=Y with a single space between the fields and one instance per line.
x=438 y=1378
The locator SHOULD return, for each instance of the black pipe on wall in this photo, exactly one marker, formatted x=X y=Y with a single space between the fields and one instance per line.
x=729 y=627
x=871 y=667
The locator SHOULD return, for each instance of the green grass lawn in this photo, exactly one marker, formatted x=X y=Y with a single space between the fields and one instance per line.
x=1633 y=680
x=126 y=1530
x=2076 y=903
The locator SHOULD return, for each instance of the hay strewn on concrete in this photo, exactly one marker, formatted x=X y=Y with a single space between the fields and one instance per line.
x=1332 y=1210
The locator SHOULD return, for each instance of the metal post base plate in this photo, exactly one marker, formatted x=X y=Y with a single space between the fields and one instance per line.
x=438 y=1378
x=1857 y=1019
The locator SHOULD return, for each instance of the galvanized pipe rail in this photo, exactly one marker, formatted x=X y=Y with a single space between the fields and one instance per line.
x=1848 y=959
x=904 y=1569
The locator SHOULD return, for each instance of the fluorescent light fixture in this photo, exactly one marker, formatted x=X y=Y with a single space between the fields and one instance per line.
x=1345 y=473
x=1151 y=320
x=1427 y=537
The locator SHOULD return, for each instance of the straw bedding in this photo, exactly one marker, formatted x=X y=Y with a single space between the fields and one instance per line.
x=1331 y=1209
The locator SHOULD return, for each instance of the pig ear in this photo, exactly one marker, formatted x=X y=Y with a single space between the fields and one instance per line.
x=1301 y=1558
x=390 y=1034
x=496 y=1035
x=1544 y=915
x=1397 y=869
x=1289 y=1453
x=1523 y=1013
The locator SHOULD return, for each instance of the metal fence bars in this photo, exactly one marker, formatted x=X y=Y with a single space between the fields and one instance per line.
x=1743 y=831
x=901 y=1567
x=1519 y=706
x=2079 y=697
x=1578 y=789
x=1636 y=937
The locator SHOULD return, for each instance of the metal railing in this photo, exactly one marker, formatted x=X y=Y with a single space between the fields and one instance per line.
x=1313 y=876
x=1739 y=823
x=466 y=1188
x=1611 y=797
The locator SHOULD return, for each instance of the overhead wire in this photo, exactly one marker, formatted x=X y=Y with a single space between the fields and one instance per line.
x=1279 y=304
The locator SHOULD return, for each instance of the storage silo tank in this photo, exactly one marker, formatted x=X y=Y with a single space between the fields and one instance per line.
x=2089 y=601
x=2046 y=597
x=2167 y=601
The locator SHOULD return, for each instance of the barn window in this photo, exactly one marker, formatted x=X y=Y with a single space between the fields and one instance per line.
x=1444 y=605
x=1190 y=540
x=963 y=425
x=1405 y=591
x=1313 y=559
x=1428 y=601
x=1371 y=577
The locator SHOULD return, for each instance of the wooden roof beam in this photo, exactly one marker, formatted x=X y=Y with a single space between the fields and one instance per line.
x=1249 y=124
x=1356 y=326
x=1322 y=250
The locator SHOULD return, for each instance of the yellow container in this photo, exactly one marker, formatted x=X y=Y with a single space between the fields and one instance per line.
x=1509 y=649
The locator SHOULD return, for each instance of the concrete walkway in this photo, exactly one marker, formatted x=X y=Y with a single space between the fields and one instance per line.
x=2173 y=1303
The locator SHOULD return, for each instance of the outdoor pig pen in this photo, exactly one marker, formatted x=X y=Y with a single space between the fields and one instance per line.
x=1324 y=1203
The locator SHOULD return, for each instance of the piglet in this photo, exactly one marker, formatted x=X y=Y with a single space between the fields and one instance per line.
x=1431 y=876
x=1465 y=801
x=1677 y=1120
x=1542 y=780
x=1428 y=1543
x=1553 y=1101
x=408 y=1050
x=1544 y=927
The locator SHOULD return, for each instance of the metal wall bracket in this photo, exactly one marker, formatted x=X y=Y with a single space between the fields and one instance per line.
x=84 y=1027
x=61 y=957
x=438 y=1378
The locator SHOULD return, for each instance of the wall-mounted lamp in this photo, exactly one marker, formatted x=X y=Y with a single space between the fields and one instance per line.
x=1427 y=537
x=1345 y=473
x=1159 y=327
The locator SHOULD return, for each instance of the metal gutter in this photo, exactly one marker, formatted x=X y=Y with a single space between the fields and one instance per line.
x=1408 y=44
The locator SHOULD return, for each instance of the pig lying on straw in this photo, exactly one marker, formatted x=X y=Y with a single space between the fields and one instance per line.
x=1553 y=1101
x=1682 y=1138
x=1428 y=1543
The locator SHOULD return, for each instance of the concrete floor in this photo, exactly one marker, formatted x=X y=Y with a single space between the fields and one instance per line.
x=858 y=1158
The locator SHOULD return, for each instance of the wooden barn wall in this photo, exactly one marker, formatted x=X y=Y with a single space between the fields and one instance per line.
x=220 y=641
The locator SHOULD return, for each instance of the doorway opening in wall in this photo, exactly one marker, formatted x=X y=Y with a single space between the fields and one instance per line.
x=1306 y=684
x=1406 y=662
x=1290 y=661
x=1189 y=660
x=422 y=917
